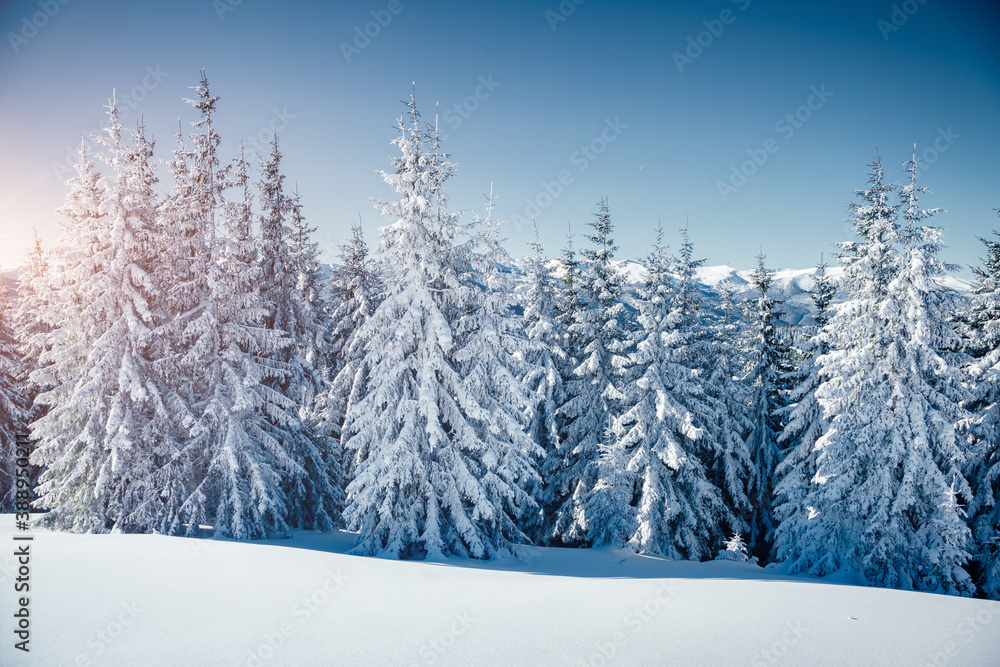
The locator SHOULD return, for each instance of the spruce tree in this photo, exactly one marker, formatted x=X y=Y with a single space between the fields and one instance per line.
x=236 y=449
x=31 y=319
x=492 y=359
x=661 y=434
x=544 y=374
x=558 y=485
x=884 y=500
x=984 y=466
x=770 y=358
x=352 y=293
x=425 y=482
x=289 y=290
x=109 y=436
x=13 y=404
x=715 y=353
x=594 y=390
x=804 y=423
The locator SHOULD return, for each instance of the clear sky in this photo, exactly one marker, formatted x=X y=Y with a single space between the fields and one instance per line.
x=756 y=120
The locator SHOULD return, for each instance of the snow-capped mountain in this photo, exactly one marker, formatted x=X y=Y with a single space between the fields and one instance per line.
x=792 y=286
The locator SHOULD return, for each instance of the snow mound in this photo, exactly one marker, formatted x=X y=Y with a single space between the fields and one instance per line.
x=155 y=600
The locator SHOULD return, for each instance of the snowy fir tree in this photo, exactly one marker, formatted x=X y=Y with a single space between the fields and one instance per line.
x=557 y=486
x=984 y=465
x=13 y=403
x=236 y=447
x=289 y=290
x=715 y=354
x=30 y=316
x=425 y=483
x=547 y=361
x=110 y=431
x=660 y=437
x=492 y=359
x=884 y=501
x=352 y=294
x=735 y=550
x=189 y=213
x=593 y=390
x=804 y=422
x=290 y=273
x=769 y=356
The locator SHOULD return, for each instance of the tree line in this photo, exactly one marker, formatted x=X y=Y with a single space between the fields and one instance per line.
x=183 y=363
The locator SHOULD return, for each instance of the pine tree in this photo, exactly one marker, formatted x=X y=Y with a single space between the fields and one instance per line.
x=804 y=424
x=984 y=466
x=544 y=374
x=425 y=483
x=31 y=319
x=13 y=403
x=353 y=292
x=557 y=485
x=593 y=390
x=770 y=357
x=189 y=213
x=662 y=434
x=236 y=449
x=715 y=353
x=289 y=282
x=492 y=359
x=110 y=433
x=883 y=502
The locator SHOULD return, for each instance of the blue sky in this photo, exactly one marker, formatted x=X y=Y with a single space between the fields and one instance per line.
x=758 y=132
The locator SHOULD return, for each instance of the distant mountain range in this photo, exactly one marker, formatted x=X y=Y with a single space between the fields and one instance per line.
x=793 y=286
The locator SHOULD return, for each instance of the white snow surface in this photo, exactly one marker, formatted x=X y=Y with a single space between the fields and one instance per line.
x=156 y=600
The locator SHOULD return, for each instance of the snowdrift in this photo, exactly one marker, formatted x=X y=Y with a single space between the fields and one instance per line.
x=155 y=600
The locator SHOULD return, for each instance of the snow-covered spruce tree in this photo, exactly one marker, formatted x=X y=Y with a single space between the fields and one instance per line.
x=237 y=445
x=594 y=392
x=110 y=432
x=352 y=293
x=661 y=432
x=289 y=277
x=984 y=465
x=189 y=213
x=544 y=376
x=307 y=297
x=492 y=358
x=771 y=359
x=569 y=303
x=13 y=403
x=804 y=423
x=425 y=482
x=31 y=318
x=714 y=353
x=883 y=502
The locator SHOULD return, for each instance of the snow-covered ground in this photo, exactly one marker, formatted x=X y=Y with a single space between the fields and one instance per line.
x=154 y=600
